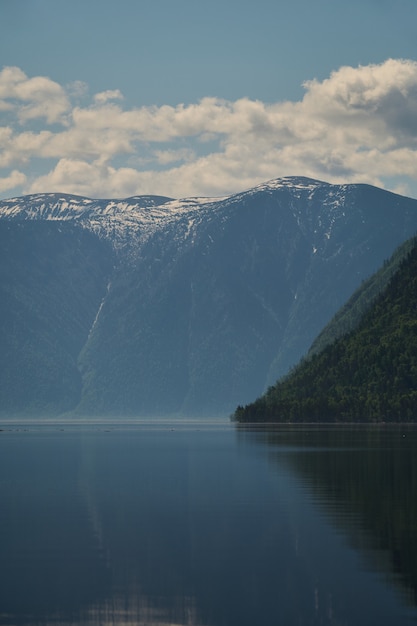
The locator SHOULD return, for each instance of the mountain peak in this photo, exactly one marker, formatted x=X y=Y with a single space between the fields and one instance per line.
x=291 y=182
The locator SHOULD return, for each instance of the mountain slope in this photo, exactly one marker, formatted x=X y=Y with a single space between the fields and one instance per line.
x=369 y=374
x=53 y=277
x=351 y=314
x=207 y=301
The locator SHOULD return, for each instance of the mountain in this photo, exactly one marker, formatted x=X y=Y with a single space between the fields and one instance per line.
x=52 y=279
x=368 y=374
x=179 y=307
x=350 y=314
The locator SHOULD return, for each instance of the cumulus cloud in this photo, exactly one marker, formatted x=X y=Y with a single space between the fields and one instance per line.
x=358 y=125
x=37 y=97
x=13 y=180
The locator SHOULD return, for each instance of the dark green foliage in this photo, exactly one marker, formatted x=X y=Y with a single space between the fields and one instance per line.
x=52 y=278
x=349 y=316
x=367 y=375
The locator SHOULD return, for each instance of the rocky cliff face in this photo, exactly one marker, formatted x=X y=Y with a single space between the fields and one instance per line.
x=198 y=304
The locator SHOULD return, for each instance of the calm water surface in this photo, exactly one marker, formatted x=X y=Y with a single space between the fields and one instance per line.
x=207 y=524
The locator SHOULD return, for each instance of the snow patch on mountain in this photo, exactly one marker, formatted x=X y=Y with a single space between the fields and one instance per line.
x=125 y=222
x=131 y=221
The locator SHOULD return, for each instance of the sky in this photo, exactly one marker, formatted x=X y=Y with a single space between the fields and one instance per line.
x=115 y=98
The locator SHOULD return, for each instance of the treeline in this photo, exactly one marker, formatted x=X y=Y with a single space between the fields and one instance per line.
x=368 y=375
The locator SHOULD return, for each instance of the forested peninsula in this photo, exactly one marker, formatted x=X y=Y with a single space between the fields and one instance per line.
x=368 y=374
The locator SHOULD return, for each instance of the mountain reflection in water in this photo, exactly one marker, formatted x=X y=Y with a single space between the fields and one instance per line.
x=365 y=479
x=207 y=525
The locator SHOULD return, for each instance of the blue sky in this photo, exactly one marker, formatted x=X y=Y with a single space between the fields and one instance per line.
x=111 y=99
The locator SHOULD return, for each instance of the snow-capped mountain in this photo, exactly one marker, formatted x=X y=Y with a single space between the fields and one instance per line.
x=151 y=305
x=131 y=221
x=123 y=222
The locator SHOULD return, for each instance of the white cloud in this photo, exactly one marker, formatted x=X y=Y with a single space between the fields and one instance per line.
x=37 y=97
x=358 y=125
x=110 y=94
x=13 y=180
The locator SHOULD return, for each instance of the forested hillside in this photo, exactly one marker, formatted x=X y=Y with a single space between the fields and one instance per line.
x=350 y=314
x=369 y=374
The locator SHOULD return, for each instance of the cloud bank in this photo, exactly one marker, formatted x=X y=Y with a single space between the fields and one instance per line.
x=358 y=125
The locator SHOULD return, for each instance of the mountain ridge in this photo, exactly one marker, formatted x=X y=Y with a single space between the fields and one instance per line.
x=202 y=302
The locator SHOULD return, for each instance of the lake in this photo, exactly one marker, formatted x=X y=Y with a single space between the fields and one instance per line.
x=207 y=523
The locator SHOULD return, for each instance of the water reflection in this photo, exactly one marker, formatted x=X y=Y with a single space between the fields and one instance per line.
x=209 y=527
x=366 y=481
x=134 y=608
